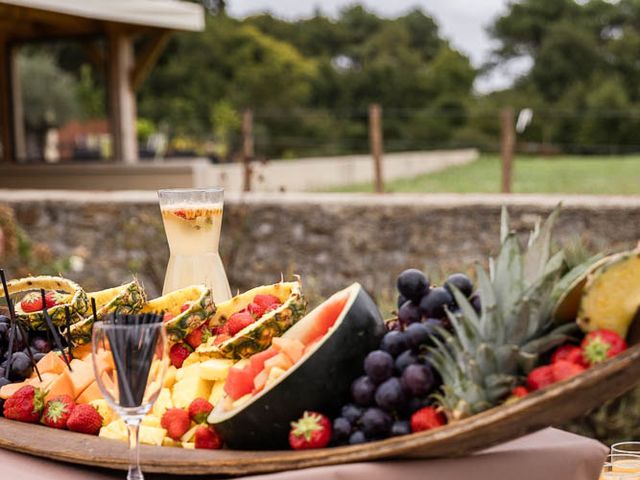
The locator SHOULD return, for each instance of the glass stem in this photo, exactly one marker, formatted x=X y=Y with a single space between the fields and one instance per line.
x=133 y=426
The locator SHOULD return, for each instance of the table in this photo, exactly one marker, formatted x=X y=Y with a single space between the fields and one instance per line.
x=549 y=454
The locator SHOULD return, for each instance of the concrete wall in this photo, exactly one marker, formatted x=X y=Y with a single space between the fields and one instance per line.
x=329 y=239
x=274 y=176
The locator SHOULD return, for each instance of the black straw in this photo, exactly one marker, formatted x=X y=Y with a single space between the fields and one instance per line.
x=54 y=332
x=23 y=332
x=12 y=326
x=67 y=319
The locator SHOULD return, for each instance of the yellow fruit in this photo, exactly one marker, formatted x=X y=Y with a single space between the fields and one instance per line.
x=188 y=445
x=215 y=369
x=186 y=372
x=151 y=421
x=187 y=390
x=116 y=430
x=104 y=410
x=169 y=442
x=217 y=393
x=163 y=403
x=170 y=377
x=152 y=435
x=189 y=435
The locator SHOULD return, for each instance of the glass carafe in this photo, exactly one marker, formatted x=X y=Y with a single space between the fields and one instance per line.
x=192 y=222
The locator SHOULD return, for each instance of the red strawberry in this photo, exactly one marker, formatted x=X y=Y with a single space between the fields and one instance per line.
x=168 y=316
x=176 y=422
x=564 y=369
x=51 y=299
x=540 y=377
x=199 y=410
x=31 y=302
x=262 y=304
x=179 y=353
x=180 y=212
x=85 y=419
x=198 y=336
x=237 y=322
x=185 y=306
x=207 y=437
x=602 y=344
x=570 y=353
x=520 y=391
x=427 y=418
x=312 y=430
x=221 y=338
x=57 y=411
x=25 y=405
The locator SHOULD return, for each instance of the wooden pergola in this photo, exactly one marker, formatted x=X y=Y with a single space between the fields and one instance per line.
x=149 y=23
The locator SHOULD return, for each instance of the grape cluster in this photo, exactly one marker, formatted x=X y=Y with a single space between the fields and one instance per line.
x=398 y=378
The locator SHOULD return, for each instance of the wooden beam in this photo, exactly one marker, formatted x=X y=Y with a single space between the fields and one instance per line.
x=148 y=57
x=6 y=116
x=122 y=99
x=19 y=134
x=375 y=141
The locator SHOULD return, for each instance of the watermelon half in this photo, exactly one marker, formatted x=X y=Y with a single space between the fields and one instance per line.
x=338 y=334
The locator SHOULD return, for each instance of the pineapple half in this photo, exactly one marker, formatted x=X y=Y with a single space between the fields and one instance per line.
x=257 y=336
x=201 y=309
x=484 y=360
x=611 y=294
x=123 y=299
x=73 y=294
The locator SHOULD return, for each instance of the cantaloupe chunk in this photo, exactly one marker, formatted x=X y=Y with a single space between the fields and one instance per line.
x=62 y=385
x=83 y=352
x=81 y=376
x=291 y=347
x=104 y=361
x=281 y=361
x=89 y=394
x=47 y=379
x=51 y=362
x=10 y=389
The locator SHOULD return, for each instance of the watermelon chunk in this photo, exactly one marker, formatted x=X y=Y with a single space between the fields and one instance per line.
x=291 y=347
x=239 y=382
x=256 y=362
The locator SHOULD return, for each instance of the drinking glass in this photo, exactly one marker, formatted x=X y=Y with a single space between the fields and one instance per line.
x=624 y=462
x=192 y=222
x=129 y=363
x=628 y=448
x=609 y=473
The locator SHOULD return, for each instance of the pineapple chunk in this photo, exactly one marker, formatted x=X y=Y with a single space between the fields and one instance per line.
x=104 y=410
x=116 y=430
x=187 y=390
x=163 y=403
x=151 y=421
x=274 y=374
x=152 y=435
x=217 y=393
x=186 y=372
x=215 y=369
x=189 y=445
x=170 y=377
x=170 y=442
x=190 y=434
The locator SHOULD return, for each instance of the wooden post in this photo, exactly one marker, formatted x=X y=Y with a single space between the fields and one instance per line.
x=19 y=134
x=247 y=147
x=122 y=99
x=6 y=115
x=507 y=145
x=375 y=142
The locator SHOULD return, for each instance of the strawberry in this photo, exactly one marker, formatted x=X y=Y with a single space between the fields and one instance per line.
x=179 y=353
x=237 y=322
x=262 y=304
x=176 y=422
x=25 y=405
x=185 y=306
x=564 y=369
x=180 y=212
x=570 y=353
x=520 y=391
x=207 y=437
x=199 y=410
x=31 y=302
x=221 y=338
x=540 y=377
x=168 y=316
x=198 y=336
x=85 y=419
x=51 y=299
x=600 y=345
x=57 y=411
x=312 y=430
x=427 y=418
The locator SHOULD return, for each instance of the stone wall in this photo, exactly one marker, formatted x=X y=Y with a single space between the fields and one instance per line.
x=328 y=239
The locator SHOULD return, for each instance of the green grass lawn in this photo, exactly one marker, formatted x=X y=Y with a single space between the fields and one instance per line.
x=619 y=175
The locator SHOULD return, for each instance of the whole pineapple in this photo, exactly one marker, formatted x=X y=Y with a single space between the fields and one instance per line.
x=482 y=361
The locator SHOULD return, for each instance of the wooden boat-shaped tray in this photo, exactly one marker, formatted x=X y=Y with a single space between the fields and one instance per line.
x=555 y=405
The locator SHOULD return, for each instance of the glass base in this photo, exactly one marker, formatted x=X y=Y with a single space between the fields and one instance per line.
x=207 y=269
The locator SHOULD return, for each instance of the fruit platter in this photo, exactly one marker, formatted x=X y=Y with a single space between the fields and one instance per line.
x=265 y=382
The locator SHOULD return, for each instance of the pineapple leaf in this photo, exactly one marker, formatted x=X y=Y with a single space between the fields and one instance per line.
x=507 y=279
x=539 y=251
x=504 y=224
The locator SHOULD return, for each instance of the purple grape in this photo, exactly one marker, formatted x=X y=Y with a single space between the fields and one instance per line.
x=400 y=427
x=417 y=380
x=378 y=366
x=389 y=395
x=409 y=313
x=42 y=345
x=413 y=284
x=351 y=412
x=432 y=324
x=362 y=391
x=357 y=437
x=432 y=306
x=375 y=423
x=38 y=356
x=341 y=429
x=416 y=334
x=405 y=359
x=461 y=282
x=21 y=366
x=475 y=302
x=394 y=342
x=5 y=319
x=414 y=404
x=401 y=300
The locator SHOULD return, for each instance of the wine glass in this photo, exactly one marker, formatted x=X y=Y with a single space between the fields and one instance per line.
x=130 y=361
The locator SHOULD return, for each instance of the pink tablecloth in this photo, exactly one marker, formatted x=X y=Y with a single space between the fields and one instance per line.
x=546 y=455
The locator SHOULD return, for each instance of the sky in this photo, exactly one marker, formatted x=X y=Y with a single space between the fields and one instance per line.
x=462 y=22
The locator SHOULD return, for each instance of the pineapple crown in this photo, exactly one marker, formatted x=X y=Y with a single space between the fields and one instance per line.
x=481 y=362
